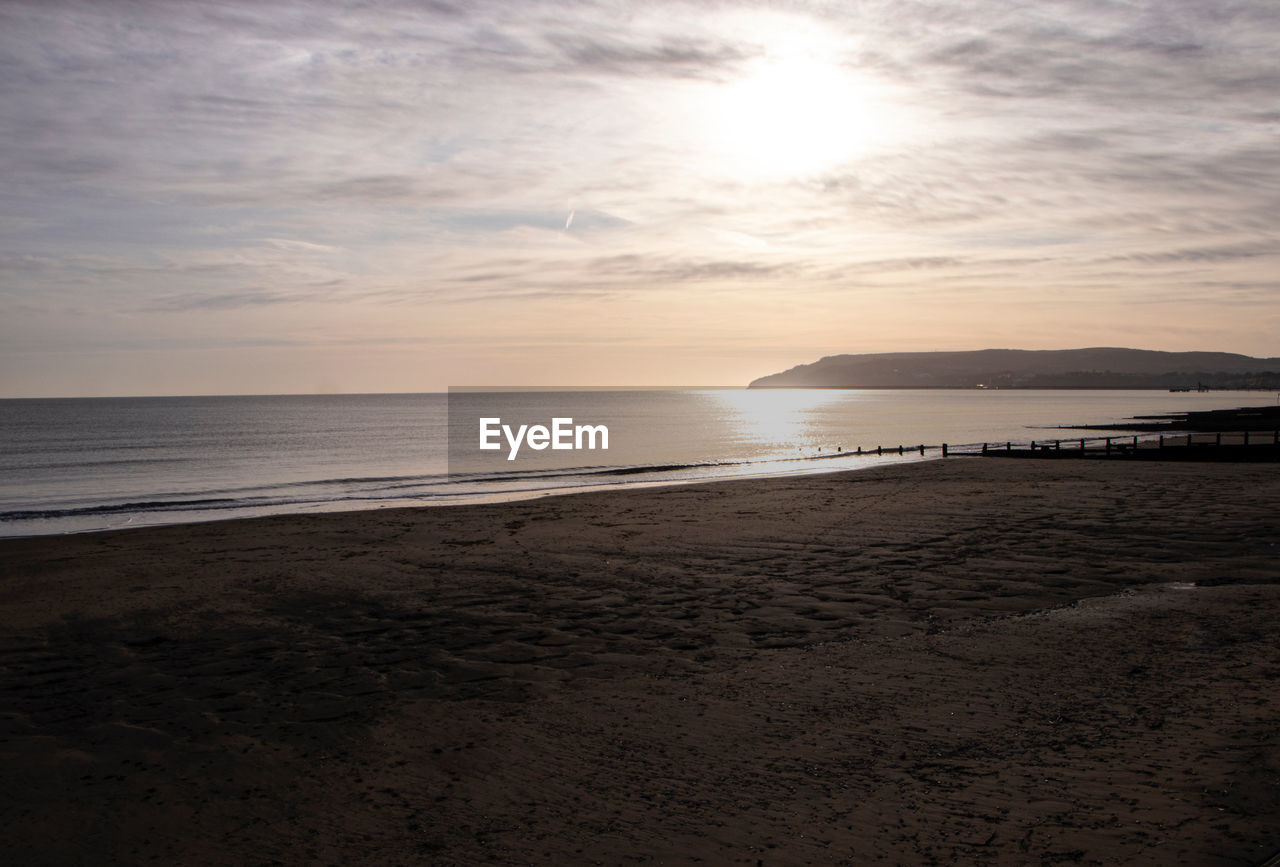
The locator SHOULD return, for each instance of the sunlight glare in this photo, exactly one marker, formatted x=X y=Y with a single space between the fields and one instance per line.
x=795 y=113
x=783 y=418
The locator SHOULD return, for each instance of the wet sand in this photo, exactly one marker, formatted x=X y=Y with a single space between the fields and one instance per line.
x=969 y=661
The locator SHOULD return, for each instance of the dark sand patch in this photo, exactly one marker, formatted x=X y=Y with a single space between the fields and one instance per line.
x=889 y=665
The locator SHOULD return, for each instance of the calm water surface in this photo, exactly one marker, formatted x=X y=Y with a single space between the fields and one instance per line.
x=69 y=465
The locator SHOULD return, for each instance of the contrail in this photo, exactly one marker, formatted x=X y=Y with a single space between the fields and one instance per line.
x=569 y=222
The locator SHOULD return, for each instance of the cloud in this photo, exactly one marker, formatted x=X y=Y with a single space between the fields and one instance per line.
x=1207 y=255
x=1169 y=55
x=294 y=245
x=246 y=158
x=668 y=271
x=254 y=297
x=675 y=57
x=379 y=189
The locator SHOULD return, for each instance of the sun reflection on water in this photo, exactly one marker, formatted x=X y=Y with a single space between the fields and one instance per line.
x=782 y=420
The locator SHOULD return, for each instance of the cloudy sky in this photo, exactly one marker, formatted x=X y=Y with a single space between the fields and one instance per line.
x=225 y=197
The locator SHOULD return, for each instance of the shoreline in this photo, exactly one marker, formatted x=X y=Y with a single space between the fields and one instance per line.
x=966 y=660
x=344 y=453
x=890 y=457
x=1229 y=451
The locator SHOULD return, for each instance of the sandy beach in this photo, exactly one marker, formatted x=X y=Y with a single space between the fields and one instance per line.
x=961 y=661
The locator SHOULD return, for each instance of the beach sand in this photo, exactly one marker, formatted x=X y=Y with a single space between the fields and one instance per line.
x=969 y=661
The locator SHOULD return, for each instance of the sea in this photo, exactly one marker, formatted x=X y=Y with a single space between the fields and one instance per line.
x=72 y=465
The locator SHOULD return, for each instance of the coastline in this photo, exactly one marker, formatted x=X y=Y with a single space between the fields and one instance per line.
x=116 y=463
x=966 y=660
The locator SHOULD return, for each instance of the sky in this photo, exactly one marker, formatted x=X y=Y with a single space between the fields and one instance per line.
x=297 y=197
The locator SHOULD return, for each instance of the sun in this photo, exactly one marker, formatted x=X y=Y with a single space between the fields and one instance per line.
x=791 y=113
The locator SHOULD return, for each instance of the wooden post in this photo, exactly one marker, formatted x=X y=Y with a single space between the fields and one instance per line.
x=1108 y=445
x=1162 y=442
x=944 y=450
x=922 y=451
x=879 y=450
x=1057 y=445
x=1135 y=442
x=859 y=449
x=1033 y=445
x=1218 y=439
x=1008 y=447
x=984 y=448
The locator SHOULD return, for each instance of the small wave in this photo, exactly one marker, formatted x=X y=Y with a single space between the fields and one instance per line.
x=113 y=508
x=78 y=464
x=570 y=472
x=577 y=472
x=388 y=489
x=403 y=481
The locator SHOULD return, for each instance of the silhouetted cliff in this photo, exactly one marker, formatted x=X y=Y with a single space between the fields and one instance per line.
x=1020 y=368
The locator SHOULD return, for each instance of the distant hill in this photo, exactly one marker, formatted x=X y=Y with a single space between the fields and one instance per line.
x=1103 y=367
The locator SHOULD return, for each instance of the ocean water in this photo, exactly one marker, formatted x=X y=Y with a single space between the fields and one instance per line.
x=74 y=465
